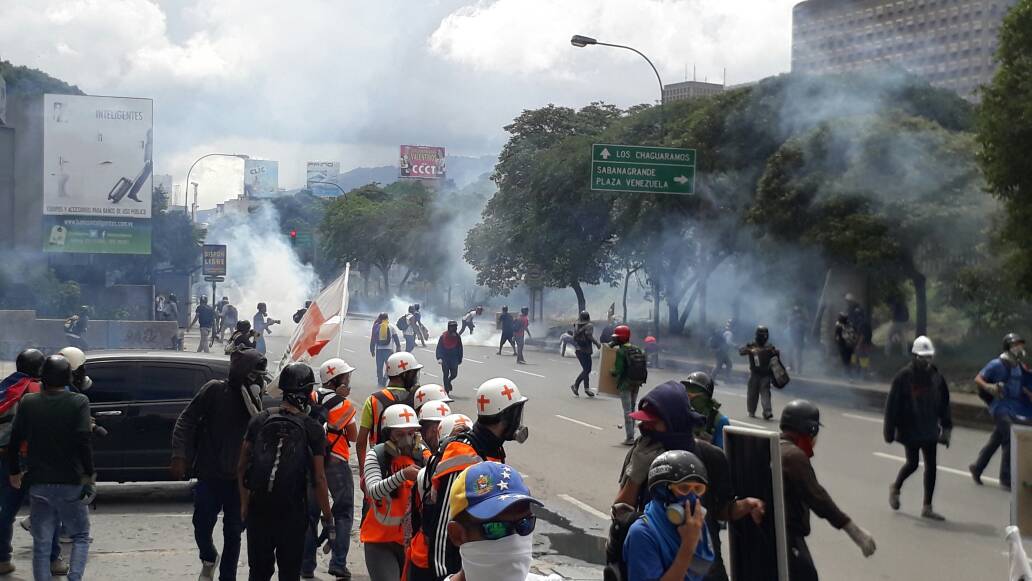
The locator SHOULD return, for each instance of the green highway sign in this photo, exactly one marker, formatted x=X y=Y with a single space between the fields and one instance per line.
x=640 y=169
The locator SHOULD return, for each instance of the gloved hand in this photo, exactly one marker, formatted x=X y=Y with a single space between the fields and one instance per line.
x=944 y=436
x=862 y=538
x=330 y=528
x=999 y=390
x=88 y=494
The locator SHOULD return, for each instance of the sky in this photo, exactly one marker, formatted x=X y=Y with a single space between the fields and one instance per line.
x=349 y=81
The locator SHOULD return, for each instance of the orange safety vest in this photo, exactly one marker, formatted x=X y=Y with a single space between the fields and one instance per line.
x=383 y=522
x=336 y=420
x=378 y=403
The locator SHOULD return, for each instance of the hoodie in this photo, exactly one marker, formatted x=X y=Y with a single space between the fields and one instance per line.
x=12 y=388
x=449 y=347
x=209 y=432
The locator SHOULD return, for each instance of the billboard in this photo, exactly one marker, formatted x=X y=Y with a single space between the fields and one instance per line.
x=87 y=234
x=422 y=162
x=214 y=260
x=323 y=171
x=261 y=178
x=3 y=101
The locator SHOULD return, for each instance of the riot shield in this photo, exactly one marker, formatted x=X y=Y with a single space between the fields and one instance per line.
x=757 y=553
x=1021 y=474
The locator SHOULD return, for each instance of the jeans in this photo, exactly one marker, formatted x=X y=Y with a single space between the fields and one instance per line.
x=759 y=389
x=629 y=401
x=999 y=438
x=585 y=375
x=11 y=499
x=210 y=498
x=466 y=325
x=384 y=561
x=519 y=339
x=800 y=563
x=205 y=337
x=410 y=343
x=51 y=506
x=723 y=361
x=381 y=366
x=342 y=489
x=449 y=371
x=260 y=344
x=929 y=450
x=276 y=539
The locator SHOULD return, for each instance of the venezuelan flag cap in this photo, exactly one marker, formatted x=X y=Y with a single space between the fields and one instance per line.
x=487 y=489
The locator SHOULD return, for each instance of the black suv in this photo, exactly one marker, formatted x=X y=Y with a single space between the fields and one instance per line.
x=137 y=397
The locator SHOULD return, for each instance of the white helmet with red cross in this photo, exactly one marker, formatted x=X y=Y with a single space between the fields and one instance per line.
x=399 y=416
x=428 y=393
x=401 y=362
x=453 y=421
x=434 y=411
x=494 y=396
x=333 y=368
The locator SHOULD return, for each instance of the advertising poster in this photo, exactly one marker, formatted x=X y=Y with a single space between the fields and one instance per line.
x=323 y=171
x=261 y=178
x=96 y=235
x=422 y=162
x=213 y=260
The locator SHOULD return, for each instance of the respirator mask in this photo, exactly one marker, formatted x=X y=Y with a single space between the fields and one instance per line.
x=516 y=431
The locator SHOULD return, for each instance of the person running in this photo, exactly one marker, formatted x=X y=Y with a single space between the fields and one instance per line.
x=402 y=381
x=505 y=320
x=1002 y=382
x=846 y=339
x=630 y=369
x=408 y=326
x=520 y=331
x=206 y=445
x=468 y=319
x=760 y=352
x=55 y=424
x=917 y=415
x=282 y=456
x=449 y=354
x=584 y=339
x=204 y=316
x=383 y=341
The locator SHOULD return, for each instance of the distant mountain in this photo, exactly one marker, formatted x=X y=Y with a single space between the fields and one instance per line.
x=463 y=171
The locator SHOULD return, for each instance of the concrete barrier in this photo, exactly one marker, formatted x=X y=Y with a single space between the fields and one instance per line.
x=21 y=330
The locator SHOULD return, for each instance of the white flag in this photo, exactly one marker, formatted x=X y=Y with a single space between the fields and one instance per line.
x=323 y=320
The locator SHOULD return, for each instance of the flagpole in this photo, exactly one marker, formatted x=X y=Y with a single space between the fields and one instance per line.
x=343 y=309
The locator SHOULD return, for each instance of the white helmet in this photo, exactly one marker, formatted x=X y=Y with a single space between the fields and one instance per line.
x=923 y=347
x=399 y=416
x=494 y=396
x=74 y=355
x=428 y=393
x=401 y=362
x=434 y=412
x=449 y=423
x=332 y=368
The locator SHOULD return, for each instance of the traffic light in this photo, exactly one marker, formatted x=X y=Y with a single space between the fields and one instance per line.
x=293 y=237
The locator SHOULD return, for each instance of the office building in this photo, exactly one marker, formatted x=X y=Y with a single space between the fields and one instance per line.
x=690 y=90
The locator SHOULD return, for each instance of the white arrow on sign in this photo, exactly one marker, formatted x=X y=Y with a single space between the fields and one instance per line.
x=681 y=180
x=605 y=153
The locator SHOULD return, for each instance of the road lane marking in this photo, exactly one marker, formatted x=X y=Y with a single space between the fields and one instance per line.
x=348 y=332
x=871 y=419
x=427 y=373
x=465 y=359
x=947 y=469
x=732 y=394
x=346 y=349
x=584 y=506
x=529 y=373
x=748 y=425
x=579 y=422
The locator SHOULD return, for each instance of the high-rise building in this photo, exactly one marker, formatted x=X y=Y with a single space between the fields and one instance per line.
x=950 y=43
x=690 y=90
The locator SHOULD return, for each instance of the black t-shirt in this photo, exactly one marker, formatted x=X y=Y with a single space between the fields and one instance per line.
x=205 y=315
x=315 y=433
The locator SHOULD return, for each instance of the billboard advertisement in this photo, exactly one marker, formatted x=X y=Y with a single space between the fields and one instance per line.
x=213 y=260
x=323 y=171
x=261 y=178
x=96 y=235
x=422 y=162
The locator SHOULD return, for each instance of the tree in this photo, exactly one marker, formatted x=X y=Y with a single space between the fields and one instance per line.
x=25 y=81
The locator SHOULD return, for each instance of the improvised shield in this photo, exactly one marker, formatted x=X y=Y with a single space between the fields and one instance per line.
x=1021 y=474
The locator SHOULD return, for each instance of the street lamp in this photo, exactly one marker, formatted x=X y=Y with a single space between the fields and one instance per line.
x=342 y=192
x=186 y=202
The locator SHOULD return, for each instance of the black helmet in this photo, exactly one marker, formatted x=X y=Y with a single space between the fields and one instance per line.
x=843 y=317
x=762 y=333
x=30 y=362
x=525 y=310
x=677 y=466
x=584 y=316
x=56 y=372
x=700 y=380
x=801 y=416
x=296 y=377
x=243 y=326
x=505 y=309
x=1010 y=339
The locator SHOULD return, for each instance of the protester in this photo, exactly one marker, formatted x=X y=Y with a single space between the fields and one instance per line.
x=242 y=338
x=81 y=383
x=846 y=339
x=391 y=467
x=337 y=415
x=449 y=354
x=721 y=343
x=204 y=316
x=917 y=415
x=900 y=318
x=421 y=331
x=76 y=326
x=300 y=313
x=206 y=445
x=25 y=380
x=760 y=352
x=407 y=324
x=565 y=340
x=584 y=339
x=468 y=319
x=228 y=317
x=432 y=414
x=606 y=335
x=797 y=327
x=383 y=341
x=630 y=371
x=652 y=351
x=1002 y=382
x=520 y=331
x=170 y=308
x=491 y=523
x=507 y=323
x=402 y=381
x=282 y=455
x=800 y=424
x=261 y=325
x=700 y=388
x=55 y=424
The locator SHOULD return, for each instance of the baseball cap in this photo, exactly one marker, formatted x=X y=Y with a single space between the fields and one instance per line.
x=646 y=414
x=487 y=489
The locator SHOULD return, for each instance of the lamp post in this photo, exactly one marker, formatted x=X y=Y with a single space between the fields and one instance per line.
x=342 y=192
x=186 y=203
x=581 y=41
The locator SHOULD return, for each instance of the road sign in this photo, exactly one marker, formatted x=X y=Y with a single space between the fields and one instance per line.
x=647 y=170
x=215 y=279
x=214 y=256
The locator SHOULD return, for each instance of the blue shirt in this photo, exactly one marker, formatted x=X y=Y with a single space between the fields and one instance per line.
x=718 y=432
x=644 y=557
x=1013 y=402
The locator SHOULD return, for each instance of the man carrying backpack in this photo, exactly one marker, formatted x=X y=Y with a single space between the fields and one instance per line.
x=408 y=326
x=282 y=455
x=382 y=342
x=403 y=379
x=75 y=327
x=630 y=368
x=206 y=444
x=760 y=352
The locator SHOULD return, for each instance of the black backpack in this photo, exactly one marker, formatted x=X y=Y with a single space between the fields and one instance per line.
x=637 y=364
x=277 y=470
x=403 y=323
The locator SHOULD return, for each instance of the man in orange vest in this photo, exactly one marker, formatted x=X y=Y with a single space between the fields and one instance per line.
x=499 y=420
x=391 y=469
x=417 y=553
x=402 y=381
x=338 y=416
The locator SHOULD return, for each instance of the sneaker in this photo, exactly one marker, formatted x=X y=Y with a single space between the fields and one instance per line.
x=58 y=567
x=208 y=570
x=576 y=392
x=590 y=393
x=6 y=568
x=340 y=574
x=930 y=514
x=752 y=415
x=628 y=442
x=975 y=474
x=768 y=416
x=894 y=497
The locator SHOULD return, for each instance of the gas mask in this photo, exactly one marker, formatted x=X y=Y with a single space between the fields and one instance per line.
x=411 y=379
x=507 y=559
x=300 y=399
x=515 y=431
x=80 y=381
x=675 y=501
x=405 y=441
x=922 y=362
x=1017 y=351
x=258 y=379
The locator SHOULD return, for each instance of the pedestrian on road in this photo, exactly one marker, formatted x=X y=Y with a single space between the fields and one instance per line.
x=407 y=324
x=282 y=455
x=917 y=415
x=630 y=369
x=721 y=343
x=228 y=318
x=338 y=416
x=55 y=424
x=402 y=381
x=846 y=339
x=499 y=420
x=700 y=388
x=760 y=352
x=468 y=319
x=421 y=331
x=800 y=423
x=25 y=380
x=797 y=326
x=492 y=524
x=1004 y=383
x=383 y=341
x=565 y=340
x=521 y=330
x=507 y=323
x=262 y=324
x=204 y=316
x=390 y=475
x=652 y=351
x=449 y=354
x=584 y=340
x=206 y=445
x=76 y=326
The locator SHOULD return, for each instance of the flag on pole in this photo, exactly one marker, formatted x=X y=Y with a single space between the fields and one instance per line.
x=323 y=320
